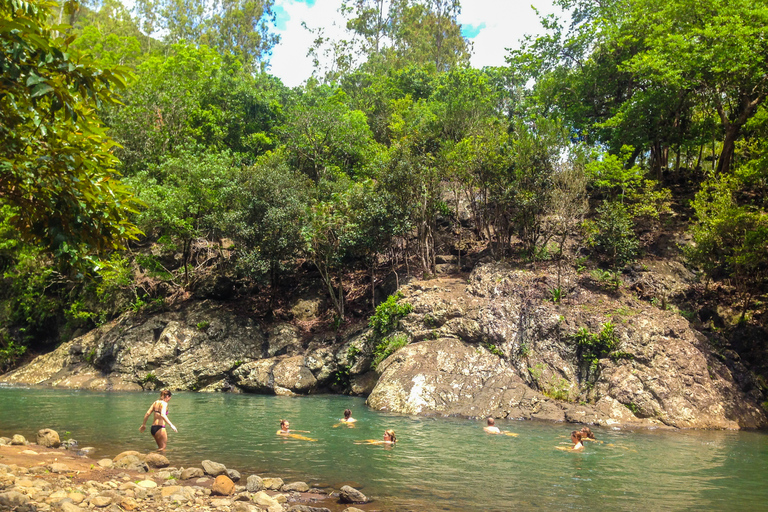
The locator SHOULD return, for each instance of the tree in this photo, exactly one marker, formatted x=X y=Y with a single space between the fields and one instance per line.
x=184 y=195
x=266 y=216
x=58 y=170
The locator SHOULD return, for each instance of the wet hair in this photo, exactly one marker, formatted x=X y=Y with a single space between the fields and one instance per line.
x=577 y=435
x=347 y=413
x=165 y=393
x=586 y=433
x=491 y=422
x=283 y=422
x=391 y=434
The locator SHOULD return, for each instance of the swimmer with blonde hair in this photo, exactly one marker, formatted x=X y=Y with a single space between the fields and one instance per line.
x=389 y=439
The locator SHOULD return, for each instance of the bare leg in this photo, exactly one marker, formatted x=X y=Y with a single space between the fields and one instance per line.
x=161 y=438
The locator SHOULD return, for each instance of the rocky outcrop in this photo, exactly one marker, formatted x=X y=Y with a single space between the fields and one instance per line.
x=495 y=346
x=203 y=347
x=492 y=345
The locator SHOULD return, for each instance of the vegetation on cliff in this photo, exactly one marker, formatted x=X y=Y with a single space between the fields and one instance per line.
x=633 y=126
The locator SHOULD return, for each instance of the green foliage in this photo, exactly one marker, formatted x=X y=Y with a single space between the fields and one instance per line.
x=10 y=352
x=592 y=347
x=56 y=159
x=608 y=278
x=387 y=347
x=729 y=239
x=556 y=295
x=90 y=357
x=494 y=349
x=612 y=234
x=388 y=314
x=340 y=378
x=203 y=326
x=149 y=378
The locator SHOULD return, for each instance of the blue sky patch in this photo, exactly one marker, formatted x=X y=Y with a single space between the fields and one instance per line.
x=471 y=31
x=281 y=17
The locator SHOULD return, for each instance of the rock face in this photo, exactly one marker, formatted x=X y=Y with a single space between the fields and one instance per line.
x=493 y=345
x=496 y=347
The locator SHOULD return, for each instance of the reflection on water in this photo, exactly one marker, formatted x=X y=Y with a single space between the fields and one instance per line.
x=438 y=463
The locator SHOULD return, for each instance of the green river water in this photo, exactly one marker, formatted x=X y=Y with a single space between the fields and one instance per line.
x=438 y=464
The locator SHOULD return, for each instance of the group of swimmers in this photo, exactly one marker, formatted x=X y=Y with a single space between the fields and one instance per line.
x=160 y=410
x=389 y=434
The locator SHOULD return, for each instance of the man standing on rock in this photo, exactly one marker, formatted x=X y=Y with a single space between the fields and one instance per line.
x=160 y=409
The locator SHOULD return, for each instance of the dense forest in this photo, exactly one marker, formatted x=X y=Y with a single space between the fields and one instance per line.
x=147 y=151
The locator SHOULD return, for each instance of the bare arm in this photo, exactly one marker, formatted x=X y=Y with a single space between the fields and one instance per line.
x=163 y=408
x=144 y=423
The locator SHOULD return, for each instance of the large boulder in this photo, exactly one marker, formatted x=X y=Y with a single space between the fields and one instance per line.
x=503 y=350
x=48 y=437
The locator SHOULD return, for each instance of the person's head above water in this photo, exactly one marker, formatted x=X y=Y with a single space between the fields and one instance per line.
x=491 y=422
x=586 y=433
x=389 y=435
x=576 y=437
x=165 y=394
x=347 y=414
x=284 y=424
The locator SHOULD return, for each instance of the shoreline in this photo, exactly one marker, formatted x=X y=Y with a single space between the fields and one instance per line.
x=36 y=478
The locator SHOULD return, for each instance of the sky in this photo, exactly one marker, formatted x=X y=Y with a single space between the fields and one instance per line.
x=491 y=25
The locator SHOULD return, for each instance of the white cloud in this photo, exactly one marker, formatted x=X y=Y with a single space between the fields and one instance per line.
x=289 y=59
x=506 y=22
x=502 y=24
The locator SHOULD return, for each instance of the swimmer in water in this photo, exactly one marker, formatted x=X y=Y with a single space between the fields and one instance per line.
x=160 y=410
x=285 y=428
x=491 y=428
x=348 y=417
x=389 y=439
x=587 y=435
x=576 y=437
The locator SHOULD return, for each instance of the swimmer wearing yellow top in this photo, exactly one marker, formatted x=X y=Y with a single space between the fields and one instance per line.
x=287 y=432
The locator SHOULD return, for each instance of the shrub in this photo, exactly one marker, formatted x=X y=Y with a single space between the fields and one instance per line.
x=612 y=234
x=388 y=347
x=388 y=314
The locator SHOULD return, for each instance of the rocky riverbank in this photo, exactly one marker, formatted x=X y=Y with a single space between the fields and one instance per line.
x=43 y=477
x=497 y=343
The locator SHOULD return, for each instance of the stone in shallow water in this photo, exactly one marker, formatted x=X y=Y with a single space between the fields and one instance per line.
x=351 y=495
x=18 y=440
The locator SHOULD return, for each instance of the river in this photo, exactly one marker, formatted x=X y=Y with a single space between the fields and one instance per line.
x=445 y=464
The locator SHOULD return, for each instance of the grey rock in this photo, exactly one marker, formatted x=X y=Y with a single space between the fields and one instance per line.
x=11 y=499
x=254 y=483
x=132 y=463
x=157 y=460
x=349 y=494
x=295 y=487
x=233 y=475
x=188 y=473
x=213 y=468
x=307 y=508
